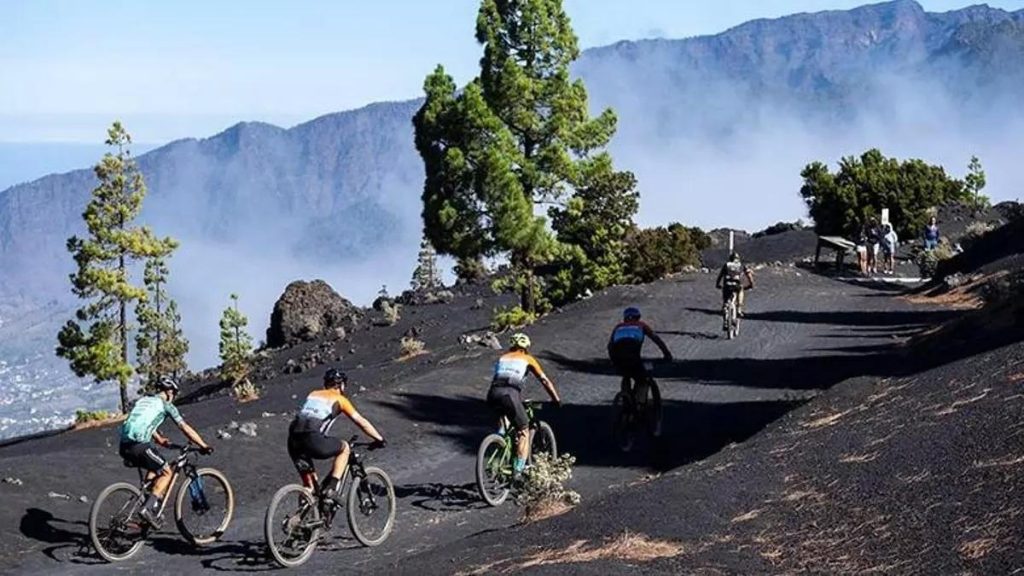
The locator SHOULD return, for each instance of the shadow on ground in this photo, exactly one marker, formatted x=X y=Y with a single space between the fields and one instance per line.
x=68 y=539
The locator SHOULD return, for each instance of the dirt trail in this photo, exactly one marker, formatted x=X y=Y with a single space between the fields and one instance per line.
x=803 y=333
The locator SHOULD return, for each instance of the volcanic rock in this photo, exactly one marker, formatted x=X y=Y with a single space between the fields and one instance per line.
x=308 y=310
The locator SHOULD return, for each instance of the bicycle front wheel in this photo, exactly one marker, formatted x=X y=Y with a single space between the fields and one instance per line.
x=371 y=507
x=115 y=530
x=292 y=525
x=494 y=469
x=543 y=441
x=204 y=507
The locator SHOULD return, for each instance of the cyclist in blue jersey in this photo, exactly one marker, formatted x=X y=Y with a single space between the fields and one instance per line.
x=139 y=437
x=624 y=349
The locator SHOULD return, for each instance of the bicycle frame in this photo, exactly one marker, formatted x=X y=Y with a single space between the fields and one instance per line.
x=180 y=465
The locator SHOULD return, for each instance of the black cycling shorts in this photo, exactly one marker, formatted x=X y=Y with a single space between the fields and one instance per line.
x=304 y=447
x=142 y=455
x=508 y=402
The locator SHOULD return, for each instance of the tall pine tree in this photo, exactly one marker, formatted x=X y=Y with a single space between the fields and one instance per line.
x=95 y=342
x=160 y=344
x=517 y=136
x=426 y=276
x=235 y=347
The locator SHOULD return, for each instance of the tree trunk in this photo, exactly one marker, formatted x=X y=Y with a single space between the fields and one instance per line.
x=156 y=362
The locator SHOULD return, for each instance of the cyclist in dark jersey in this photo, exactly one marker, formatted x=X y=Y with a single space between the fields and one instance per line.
x=505 y=394
x=139 y=437
x=308 y=434
x=730 y=281
x=624 y=349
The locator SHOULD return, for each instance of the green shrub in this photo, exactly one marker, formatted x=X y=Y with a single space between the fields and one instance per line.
x=841 y=202
x=544 y=492
x=511 y=318
x=653 y=253
x=928 y=260
x=86 y=416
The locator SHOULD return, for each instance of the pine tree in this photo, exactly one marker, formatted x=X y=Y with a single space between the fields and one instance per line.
x=235 y=345
x=95 y=342
x=426 y=276
x=517 y=136
x=975 y=182
x=160 y=345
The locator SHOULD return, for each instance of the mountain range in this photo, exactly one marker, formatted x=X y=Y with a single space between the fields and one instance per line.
x=716 y=128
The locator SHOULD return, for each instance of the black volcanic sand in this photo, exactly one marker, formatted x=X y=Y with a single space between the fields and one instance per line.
x=804 y=334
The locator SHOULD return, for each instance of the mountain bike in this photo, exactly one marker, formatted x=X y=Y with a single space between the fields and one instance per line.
x=730 y=315
x=300 y=515
x=495 y=460
x=637 y=411
x=203 y=507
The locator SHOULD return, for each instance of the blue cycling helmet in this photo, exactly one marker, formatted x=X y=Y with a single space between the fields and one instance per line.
x=631 y=313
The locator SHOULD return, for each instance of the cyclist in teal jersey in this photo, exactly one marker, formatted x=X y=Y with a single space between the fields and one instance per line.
x=139 y=437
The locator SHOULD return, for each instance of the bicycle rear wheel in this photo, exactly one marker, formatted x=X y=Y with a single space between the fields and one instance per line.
x=204 y=507
x=494 y=469
x=115 y=530
x=624 y=422
x=371 y=507
x=292 y=525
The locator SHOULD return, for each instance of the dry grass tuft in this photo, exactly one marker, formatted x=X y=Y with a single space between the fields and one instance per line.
x=411 y=348
x=99 y=423
x=825 y=421
x=627 y=547
x=748 y=516
x=544 y=510
x=976 y=549
x=858 y=458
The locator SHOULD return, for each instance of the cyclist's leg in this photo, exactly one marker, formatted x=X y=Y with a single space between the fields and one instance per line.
x=640 y=389
x=516 y=412
x=146 y=456
x=324 y=447
x=303 y=463
x=726 y=295
x=740 y=292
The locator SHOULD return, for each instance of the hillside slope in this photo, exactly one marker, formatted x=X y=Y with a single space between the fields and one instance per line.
x=717 y=394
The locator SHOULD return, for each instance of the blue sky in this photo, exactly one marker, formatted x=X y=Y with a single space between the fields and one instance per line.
x=191 y=68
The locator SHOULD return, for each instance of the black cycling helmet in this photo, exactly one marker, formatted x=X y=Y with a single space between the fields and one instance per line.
x=334 y=378
x=734 y=256
x=165 y=384
x=631 y=313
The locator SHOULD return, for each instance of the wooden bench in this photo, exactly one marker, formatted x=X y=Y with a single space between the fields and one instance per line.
x=841 y=246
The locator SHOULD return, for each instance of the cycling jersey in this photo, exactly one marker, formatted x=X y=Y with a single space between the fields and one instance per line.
x=733 y=272
x=628 y=339
x=320 y=410
x=146 y=416
x=513 y=368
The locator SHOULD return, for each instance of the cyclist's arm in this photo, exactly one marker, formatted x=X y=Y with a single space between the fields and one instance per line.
x=160 y=439
x=365 y=426
x=658 y=341
x=192 y=435
x=750 y=277
x=549 y=386
x=721 y=276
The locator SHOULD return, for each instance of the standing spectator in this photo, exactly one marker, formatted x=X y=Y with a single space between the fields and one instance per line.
x=889 y=243
x=931 y=235
x=874 y=239
x=862 y=249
